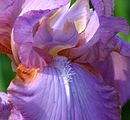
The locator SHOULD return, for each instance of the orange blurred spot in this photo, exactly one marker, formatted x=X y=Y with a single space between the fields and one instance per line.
x=27 y=75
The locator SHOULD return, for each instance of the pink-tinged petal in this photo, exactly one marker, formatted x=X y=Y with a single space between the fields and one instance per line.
x=56 y=21
x=89 y=51
x=55 y=40
x=64 y=91
x=79 y=14
x=24 y=28
x=116 y=66
x=33 y=56
x=32 y=29
x=5 y=107
x=104 y=7
x=91 y=28
x=42 y=5
x=15 y=115
x=9 y=10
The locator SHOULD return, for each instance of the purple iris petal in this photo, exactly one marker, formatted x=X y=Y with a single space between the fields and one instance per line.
x=23 y=36
x=65 y=91
x=9 y=10
x=115 y=67
x=79 y=18
x=42 y=5
x=93 y=49
x=5 y=107
x=50 y=87
x=99 y=49
x=15 y=115
x=28 y=31
x=104 y=7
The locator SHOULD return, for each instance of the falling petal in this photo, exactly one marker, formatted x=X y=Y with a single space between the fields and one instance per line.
x=5 y=107
x=64 y=91
x=116 y=66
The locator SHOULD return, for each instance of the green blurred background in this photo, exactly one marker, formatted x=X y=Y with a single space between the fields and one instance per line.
x=122 y=9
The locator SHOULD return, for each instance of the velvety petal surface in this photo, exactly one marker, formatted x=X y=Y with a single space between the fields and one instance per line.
x=5 y=107
x=64 y=91
x=104 y=7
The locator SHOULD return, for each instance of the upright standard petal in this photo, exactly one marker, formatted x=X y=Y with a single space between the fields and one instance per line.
x=24 y=31
x=32 y=29
x=78 y=14
x=65 y=22
x=104 y=7
x=64 y=91
x=100 y=46
x=89 y=50
x=5 y=107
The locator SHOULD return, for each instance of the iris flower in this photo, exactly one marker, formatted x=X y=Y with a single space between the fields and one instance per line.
x=69 y=62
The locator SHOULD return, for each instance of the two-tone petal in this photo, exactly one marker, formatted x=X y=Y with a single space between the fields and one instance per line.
x=9 y=10
x=97 y=43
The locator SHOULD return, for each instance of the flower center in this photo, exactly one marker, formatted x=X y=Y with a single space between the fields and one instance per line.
x=64 y=66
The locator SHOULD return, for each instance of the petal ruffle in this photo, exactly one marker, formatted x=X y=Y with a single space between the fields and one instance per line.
x=89 y=51
x=104 y=7
x=23 y=36
x=5 y=107
x=100 y=46
x=62 y=92
x=32 y=29
x=42 y=5
x=116 y=66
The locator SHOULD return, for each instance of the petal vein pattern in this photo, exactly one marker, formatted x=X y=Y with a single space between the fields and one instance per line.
x=47 y=94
